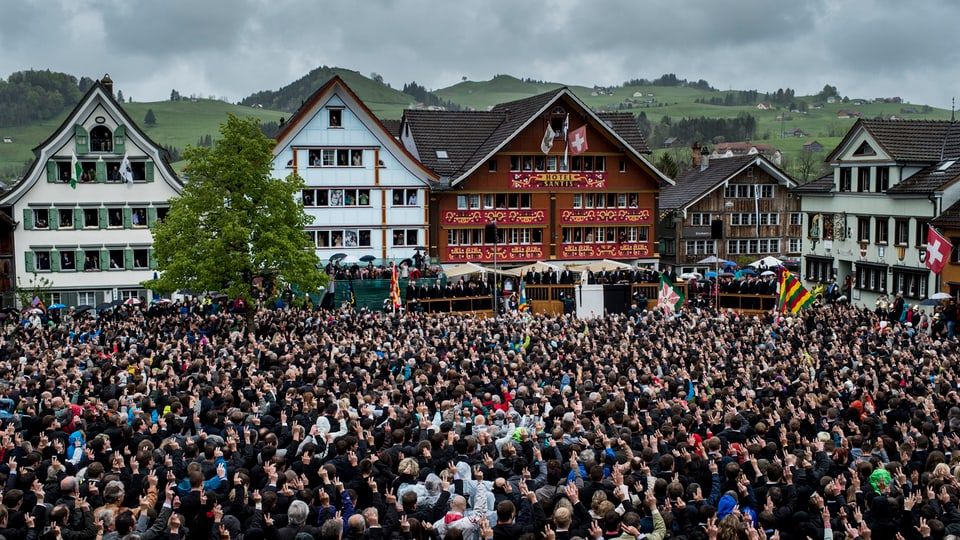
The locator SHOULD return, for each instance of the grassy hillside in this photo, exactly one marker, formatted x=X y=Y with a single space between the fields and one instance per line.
x=179 y=123
x=383 y=100
x=677 y=102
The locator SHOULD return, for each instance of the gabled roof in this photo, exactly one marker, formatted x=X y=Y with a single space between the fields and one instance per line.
x=694 y=184
x=308 y=110
x=949 y=218
x=15 y=191
x=931 y=179
x=824 y=184
x=470 y=138
x=392 y=125
x=910 y=141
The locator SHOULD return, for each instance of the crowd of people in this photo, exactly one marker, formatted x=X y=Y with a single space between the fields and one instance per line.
x=195 y=421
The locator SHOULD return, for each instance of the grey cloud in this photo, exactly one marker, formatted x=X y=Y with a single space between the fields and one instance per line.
x=235 y=47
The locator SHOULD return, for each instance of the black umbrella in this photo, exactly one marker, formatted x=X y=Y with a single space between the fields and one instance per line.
x=368 y=258
x=80 y=309
x=337 y=256
x=106 y=306
x=408 y=262
x=116 y=302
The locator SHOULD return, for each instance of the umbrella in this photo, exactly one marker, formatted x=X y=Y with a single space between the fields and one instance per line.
x=726 y=274
x=940 y=296
x=84 y=307
x=368 y=258
x=768 y=273
x=713 y=259
x=116 y=302
x=337 y=256
x=163 y=301
x=748 y=271
x=35 y=311
x=105 y=306
x=57 y=306
x=711 y=274
x=691 y=275
x=727 y=264
x=408 y=262
x=133 y=301
x=930 y=302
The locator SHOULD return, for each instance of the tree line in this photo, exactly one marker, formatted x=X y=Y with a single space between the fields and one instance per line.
x=422 y=95
x=669 y=79
x=34 y=95
x=687 y=130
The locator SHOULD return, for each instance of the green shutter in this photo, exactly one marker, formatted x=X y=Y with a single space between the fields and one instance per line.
x=148 y=171
x=101 y=171
x=54 y=215
x=119 y=140
x=28 y=219
x=79 y=261
x=103 y=217
x=78 y=134
x=54 y=260
x=128 y=259
x=127 y=217
x=78 y=218
x=151 y=216
x=51 y=171
x=28 y=261
x=151 y=260
x=104 y=259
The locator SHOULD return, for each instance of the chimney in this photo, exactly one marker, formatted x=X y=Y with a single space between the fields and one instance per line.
x=704 y=158
x=695 y=155
x=107 y=83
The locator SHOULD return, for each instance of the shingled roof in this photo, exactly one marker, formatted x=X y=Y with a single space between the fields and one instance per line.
x=470 y=137
x=392 y=125
x=912 y=141
x=824 y=184
x=949 y=218
x=931 y=179
x=696 y=182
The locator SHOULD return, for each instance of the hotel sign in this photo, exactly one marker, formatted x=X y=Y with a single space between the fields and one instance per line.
x=558 y=180
x=630 y=216
x=485 y=253
x=502 y=217
x=604 y=251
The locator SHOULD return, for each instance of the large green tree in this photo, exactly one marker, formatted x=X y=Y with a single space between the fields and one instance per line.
x=234 y=221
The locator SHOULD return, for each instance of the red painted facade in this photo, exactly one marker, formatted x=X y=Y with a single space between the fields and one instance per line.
x=605 y=212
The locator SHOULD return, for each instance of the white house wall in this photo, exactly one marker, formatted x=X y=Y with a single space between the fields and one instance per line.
x=380 y=215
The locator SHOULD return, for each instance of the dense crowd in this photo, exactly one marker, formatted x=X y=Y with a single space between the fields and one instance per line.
x=187 y=421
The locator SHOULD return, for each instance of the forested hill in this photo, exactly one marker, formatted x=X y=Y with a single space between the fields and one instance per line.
x=32 y=96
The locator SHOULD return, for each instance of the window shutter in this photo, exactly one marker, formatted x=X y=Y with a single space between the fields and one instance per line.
x=54 y=260
x=151 y=216
x=151 y=260
x=148 y=171
x=79 y=261
x=103 y=217
x=51 y=171
x=101 y=171
x=77 y=218
x=54 y=214
x=119 y=140
x=82 y=139
x=104 y=259
x=28 y=261
x=127 y=217
x=27 y=219
x=128 y=259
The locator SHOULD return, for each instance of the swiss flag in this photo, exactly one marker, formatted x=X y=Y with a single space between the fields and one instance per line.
x=938 y=251
x=577 y=141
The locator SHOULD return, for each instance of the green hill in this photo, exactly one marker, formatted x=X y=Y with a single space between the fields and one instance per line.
x=379 y=97
x=179 y=123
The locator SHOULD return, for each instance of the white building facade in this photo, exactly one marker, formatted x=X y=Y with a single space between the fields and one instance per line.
x=868 y=219
x=366 y=195
x=91 y=243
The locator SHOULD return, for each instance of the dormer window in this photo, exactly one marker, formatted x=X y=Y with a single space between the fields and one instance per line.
x=335 y=118
x=865 y=150
x=101 y=140
x=442 y=154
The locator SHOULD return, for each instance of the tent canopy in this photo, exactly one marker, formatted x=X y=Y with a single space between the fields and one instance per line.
x=600 y=266
x=538 y=266
x=713 y=259
x=769 y=261
x=464 y=269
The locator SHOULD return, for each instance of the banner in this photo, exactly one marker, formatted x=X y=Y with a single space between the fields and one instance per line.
x=484 y=254
x=604 y=251
x=558 y=180
x=502 y=217
x=602 y=216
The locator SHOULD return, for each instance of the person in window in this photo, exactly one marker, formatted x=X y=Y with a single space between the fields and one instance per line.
x=314 y=160
x=398 y=238
x=85 y=177
x=338 y=239
x=412 y=199
x=308 y=199
x=135 y=219
x=398 y=198
x=41 y=221
x=113 y=174
x=336 y=197
x=633 y=201
x=363 y=198
x=92 y=262
x=350 y=239
x=349 y=198
x=114 y=264
x=357 y=159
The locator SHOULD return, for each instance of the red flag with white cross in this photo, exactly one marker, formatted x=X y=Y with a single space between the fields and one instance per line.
x=938 y=251
x=577 y=140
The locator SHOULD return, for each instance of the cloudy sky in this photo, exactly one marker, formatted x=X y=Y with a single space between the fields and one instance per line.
x=867 y=48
